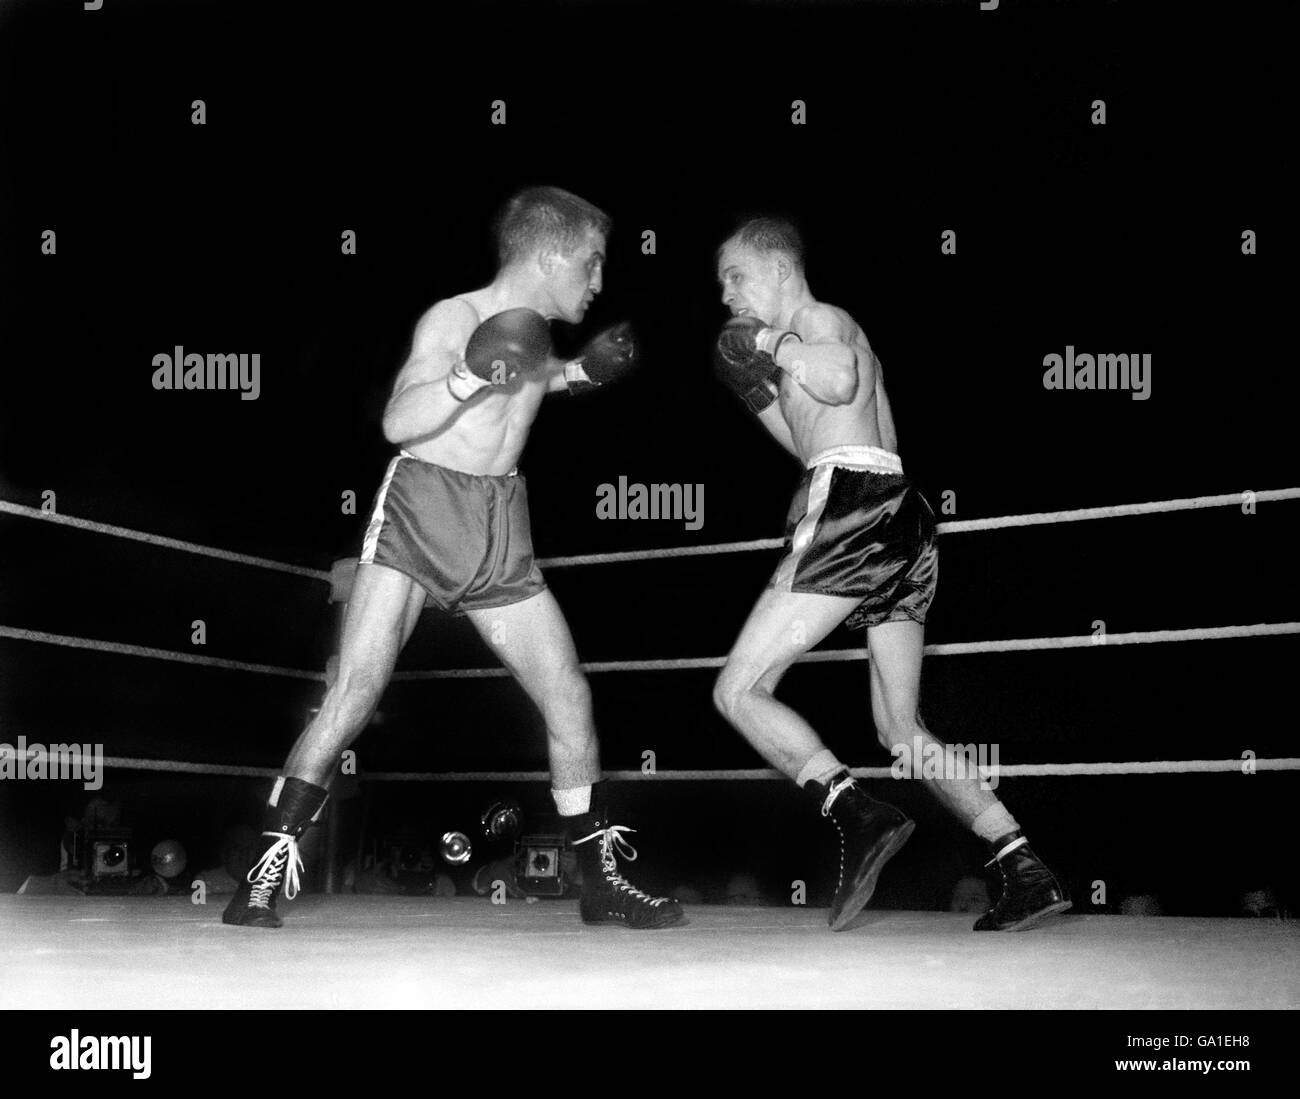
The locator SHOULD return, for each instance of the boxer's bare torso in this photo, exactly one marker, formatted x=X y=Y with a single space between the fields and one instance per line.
x=485 y=435
x=814 y=426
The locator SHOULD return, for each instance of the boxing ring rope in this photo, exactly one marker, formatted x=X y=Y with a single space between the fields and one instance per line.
x=1008 y=770
x=952 y=526
x=686 y=663
x=123 y=649
x=952 y=648
x=23 y=510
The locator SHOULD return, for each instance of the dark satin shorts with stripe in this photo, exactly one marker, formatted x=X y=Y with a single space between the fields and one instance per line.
x=858 y=527
x=463 y=537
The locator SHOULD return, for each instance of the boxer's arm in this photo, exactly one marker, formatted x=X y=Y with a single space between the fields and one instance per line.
x=421 y=402
x=823 y=364
x=556 y=381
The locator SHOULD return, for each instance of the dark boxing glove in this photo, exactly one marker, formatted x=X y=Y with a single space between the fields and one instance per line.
x=746 y=362
x=607 y=355
x=514 y=342
x=743 y=337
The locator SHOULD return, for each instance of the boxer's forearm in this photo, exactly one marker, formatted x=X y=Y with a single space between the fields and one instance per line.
x=556 y=381
x=827 y=371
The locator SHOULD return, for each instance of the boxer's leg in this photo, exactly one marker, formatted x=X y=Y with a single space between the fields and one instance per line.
x=1030 y=891
x=380 y=616
x=782 y=626
x=896 y=649
x=532 y=639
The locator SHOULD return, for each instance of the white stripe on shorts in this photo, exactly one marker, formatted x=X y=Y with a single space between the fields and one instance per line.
x=818 y=490
x=371 y=540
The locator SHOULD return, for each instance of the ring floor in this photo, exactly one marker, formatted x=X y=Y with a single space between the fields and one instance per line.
x=390 y=952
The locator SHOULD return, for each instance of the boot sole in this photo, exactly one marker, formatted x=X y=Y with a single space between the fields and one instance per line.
x=1038 y=917
x=250 y=923
x=863 y=893
x=674 y=921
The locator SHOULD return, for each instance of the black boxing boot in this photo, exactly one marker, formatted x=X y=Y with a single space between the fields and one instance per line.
x=870 y=832
x=608 y=897
x=1030 y=891
x=294 y=807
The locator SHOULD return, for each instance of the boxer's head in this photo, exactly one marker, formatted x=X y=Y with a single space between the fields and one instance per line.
x=556 y=241
x=760 y=266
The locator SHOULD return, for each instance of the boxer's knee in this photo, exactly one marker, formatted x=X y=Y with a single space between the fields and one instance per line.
x=733 y=689
x=725 y=692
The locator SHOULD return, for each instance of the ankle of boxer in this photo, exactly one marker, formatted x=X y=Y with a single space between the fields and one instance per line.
x=820 y=768
x=994 y=823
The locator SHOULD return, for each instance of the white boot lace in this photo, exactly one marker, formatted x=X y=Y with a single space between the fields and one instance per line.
x=611 y=841
x=835 y=791
x=281 y=858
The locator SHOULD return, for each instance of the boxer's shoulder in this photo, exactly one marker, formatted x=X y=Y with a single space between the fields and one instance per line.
x=440 y=337
x=819 y=322
x=445 y=324
x=460 y=312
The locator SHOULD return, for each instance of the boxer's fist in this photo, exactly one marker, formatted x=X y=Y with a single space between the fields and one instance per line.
x=607 y=355
x=744 y=337
x=751 y=373
x=517 y=341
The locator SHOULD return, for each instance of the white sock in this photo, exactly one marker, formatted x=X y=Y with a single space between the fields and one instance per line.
x=994 y=823
x=573 y=802
x=820 y=768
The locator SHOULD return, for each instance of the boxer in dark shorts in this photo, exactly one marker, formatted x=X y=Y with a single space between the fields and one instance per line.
x=450 y=526
x=857 y=527
x=860 y=549
x=463 y=537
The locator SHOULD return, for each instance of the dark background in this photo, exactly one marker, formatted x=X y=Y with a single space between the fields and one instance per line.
x=921 y=118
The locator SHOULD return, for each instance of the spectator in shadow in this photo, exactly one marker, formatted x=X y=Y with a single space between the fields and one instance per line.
x=970 y=894
x=1263 y=903
x=1141 y=904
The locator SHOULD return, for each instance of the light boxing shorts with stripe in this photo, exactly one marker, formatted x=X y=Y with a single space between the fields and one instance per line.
x=464 y=537
x=857 y=527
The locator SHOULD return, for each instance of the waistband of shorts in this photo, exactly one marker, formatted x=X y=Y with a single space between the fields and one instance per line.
x=873 y=458
x=464 y=473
